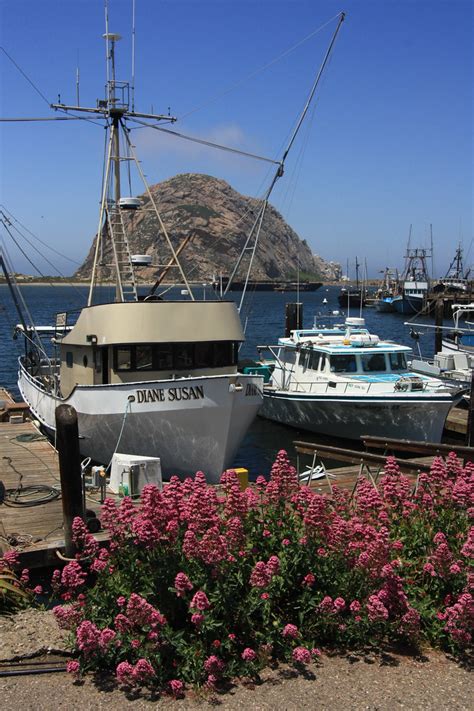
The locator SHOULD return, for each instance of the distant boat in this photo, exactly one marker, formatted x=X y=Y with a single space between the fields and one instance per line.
x=456 y=280
x=387 y=291
x=414 y=283
x=353 y=295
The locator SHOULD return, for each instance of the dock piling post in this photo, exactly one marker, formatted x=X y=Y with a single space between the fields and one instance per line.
x=439 y=312
x=293 y=317
x=470 y=416
x=69 y=470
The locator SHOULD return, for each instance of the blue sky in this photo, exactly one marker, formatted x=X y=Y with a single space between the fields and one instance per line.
x=389 y=143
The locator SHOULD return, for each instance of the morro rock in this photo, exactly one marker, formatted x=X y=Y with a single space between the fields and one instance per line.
x=219 y=219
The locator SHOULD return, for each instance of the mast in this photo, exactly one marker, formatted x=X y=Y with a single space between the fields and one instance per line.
x=115 y=110
x=257 y=225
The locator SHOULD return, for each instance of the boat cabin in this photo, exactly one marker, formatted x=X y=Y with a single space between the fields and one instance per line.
x=155 y=340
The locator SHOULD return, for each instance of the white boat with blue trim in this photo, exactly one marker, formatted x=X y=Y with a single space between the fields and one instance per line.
x=340 y=380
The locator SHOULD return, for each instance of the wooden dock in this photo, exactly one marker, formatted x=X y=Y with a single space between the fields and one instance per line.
x=29 y=466
x=27 y=459
x=456 y=421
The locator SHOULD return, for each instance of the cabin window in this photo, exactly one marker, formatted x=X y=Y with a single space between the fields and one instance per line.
x=69 y=359
x=223 y=354
x=315 y=360
x=289 y=356
x=184 y=355
x=373 y=362
x=163 y=356
x=176 y=356
x=343 y=364
x=203 y=354
x=144 y=358
x=123 y=358
x=304 y=359
x=398 y=361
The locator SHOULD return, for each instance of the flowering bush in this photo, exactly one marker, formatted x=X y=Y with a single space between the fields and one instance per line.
x=199 y=584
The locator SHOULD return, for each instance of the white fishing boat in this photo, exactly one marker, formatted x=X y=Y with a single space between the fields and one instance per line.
x=146 y=376
x=343 y=381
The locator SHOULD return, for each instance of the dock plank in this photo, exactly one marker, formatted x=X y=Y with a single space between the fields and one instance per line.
x=27 y=458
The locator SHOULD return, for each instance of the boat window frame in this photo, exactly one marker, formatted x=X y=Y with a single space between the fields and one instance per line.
x=179 y=356
x=365 y=358
x=340 y=356
x=398 y=353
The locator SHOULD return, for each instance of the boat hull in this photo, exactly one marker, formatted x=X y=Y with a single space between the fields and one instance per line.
x=191 y=424
x=401 y=417
x=409 y=304
x=385 y=306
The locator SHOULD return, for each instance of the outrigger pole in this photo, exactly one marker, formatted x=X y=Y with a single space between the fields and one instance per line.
x=256 y=227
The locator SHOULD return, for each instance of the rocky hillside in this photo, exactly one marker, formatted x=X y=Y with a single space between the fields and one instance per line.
x=219 y=219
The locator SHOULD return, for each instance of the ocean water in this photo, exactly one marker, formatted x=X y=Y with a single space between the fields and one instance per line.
x=264 y=316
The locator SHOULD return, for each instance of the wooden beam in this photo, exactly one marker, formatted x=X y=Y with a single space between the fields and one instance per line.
x=355 y=457
x=425 y=448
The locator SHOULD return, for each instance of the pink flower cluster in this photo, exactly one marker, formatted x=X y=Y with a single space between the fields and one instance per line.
x=182 y=584
x=290 y=631
x=459 y=619
x=263 y=573
x=134 y=675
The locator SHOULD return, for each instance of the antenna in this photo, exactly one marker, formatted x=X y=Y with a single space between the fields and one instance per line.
x=106 y=37
x=77 y=83
x=133 y=55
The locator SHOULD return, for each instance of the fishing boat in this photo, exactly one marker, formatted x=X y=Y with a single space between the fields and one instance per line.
x=387 y=292
x=352 y=295
x=147 y=376
x=456 y=279
x=415 y=281
x=340 y=380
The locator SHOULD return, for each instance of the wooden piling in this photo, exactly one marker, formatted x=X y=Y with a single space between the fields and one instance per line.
x=470 y=415
x=67 y=443
x=293 y=317
x=439 y=313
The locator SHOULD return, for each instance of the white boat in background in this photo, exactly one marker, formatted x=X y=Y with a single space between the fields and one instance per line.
x=460 y=337
x=344 y=381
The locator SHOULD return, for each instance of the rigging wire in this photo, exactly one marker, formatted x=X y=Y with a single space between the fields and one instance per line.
x=261 y=69
x=45 y=244
x=203 y=142
x=8 y=223
x=45 y=118
x=38 y=91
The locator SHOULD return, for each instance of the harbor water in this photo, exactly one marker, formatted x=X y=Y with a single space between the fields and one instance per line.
x=264 y=317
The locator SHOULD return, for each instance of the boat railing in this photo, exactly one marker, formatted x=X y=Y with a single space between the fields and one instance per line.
x=344 y=387
x=46 y=375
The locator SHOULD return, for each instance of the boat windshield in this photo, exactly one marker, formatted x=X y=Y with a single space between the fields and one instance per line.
x=373 y=362
x=398 y=361
x=343 y=364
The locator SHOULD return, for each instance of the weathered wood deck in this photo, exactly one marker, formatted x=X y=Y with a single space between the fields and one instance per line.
x=27 y=459
x=456 y=421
